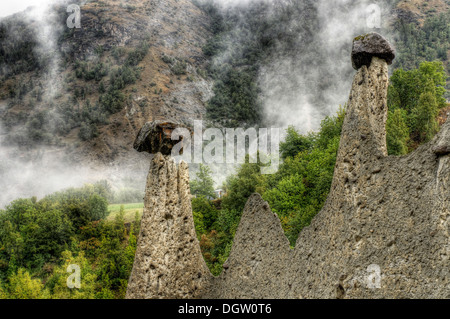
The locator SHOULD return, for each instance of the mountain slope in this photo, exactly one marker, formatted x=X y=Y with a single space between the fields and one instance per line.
x=128 y=64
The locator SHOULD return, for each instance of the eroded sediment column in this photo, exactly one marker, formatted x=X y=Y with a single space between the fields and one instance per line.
x=168 y=262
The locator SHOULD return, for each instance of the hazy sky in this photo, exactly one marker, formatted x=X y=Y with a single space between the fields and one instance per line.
x=8 y=7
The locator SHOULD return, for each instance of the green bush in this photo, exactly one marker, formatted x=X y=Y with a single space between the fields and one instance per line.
x=87 y=131
x=112 y=102
x=90 y=70
x=415 y=43
x=425 y=123
x=207 y=213
x=179 y=68
x=22 y=286
x=138 y=54
x=82 y=205
x=397 y=132
x=294 y=143
x=203 y=184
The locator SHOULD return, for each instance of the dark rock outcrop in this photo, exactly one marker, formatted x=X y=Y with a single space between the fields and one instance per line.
x=156 y=137
x=443 y=144
x=367 y=46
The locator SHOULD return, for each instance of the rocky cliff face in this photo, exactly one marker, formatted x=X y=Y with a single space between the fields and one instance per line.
x=172 y=81
x=383 y=232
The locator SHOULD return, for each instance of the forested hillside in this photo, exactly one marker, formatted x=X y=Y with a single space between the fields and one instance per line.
x=86 y=92
x=427 y=42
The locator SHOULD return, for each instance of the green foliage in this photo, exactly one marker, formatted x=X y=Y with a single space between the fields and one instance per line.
x=82 y=205
x=112 y=102
x=429 y=42
x=247 y=181
x=22 y=286
x=167 y=59
x=207 y=213
x=117 y=254
x=414 y=99
x=397 y=132
x=138 y=54
x=330 y=128
x=3 y=294
x=57 y=281
x=288 y=196
x=118 y=53
x=215 y=247
x=235 y=99
x=200 y=228
x=112 y=99
x=203 y=184
x=179 y=68
x=407 y=86
x=31 y=234
x=38 y=127
x=88 y=131
x=38 y=242
x=424 y=116
x=294 y=143
x=90 y=70
x=123 y=76
x=18 y=52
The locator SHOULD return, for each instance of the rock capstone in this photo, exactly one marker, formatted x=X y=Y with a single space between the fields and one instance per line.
x=443 y=144
x=156 y=137
x=367 y=46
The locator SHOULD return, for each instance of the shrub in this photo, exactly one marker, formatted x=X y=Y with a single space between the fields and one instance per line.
x=82 y=205
x=87 y=131
x=397 y=132
x=22 y=286
x=179 y=68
